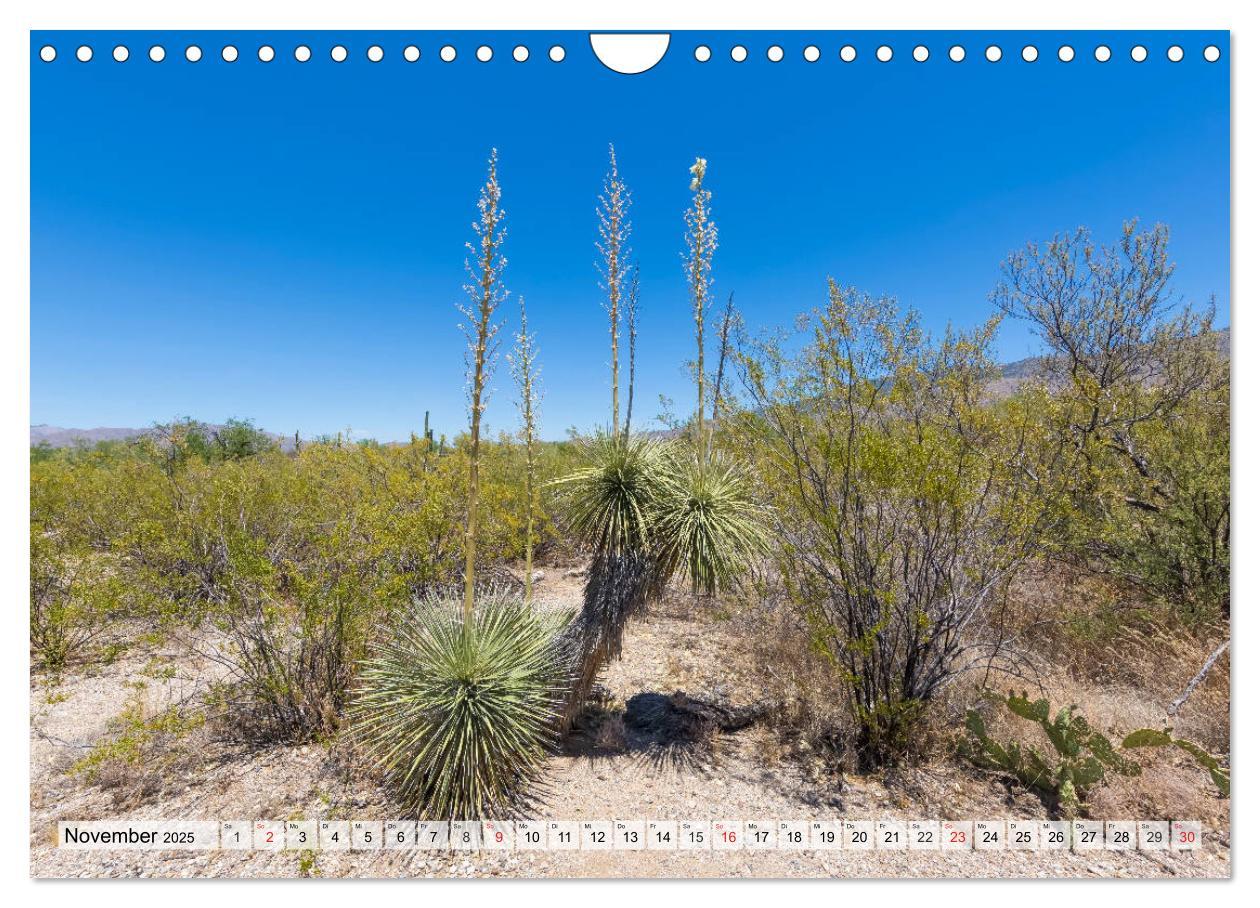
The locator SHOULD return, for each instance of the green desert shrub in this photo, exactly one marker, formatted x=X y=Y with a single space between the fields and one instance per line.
x=460 y=715
x=74 y=594
x=903 y=502
x=145 y=751
x=1140 y=401
x=276 y=565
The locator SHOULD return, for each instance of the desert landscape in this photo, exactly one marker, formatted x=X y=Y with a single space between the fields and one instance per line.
x=868 y=574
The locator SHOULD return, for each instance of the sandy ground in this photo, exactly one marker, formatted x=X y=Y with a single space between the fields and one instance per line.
x=597 y=776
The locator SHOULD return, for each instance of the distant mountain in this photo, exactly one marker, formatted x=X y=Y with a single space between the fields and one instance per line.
x=1012 y=374
x=57 y=437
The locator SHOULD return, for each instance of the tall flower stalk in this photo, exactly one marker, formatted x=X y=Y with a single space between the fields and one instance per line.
x=632 y=336
x=729 y=321
x=485 y=265
x=706 y=524
x=525 y=370
x=614 y=235
x=698 y=265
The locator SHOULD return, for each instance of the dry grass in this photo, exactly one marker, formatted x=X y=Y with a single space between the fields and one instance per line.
x=1122 y=662
x=1121 y=659
x=810 y=720
x=1083 y=642
x=745 y=654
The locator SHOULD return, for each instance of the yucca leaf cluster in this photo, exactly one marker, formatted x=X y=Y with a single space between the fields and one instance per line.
x=609 y=500
x=707 y=526
x=689 y=514
x=460 y=714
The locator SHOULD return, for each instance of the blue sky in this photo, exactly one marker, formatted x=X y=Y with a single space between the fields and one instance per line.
x=284 y=241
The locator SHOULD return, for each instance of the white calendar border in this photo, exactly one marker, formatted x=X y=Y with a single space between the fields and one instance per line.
x=583 y=14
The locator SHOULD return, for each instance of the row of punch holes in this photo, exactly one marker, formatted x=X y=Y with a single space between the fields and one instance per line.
x=702 y=53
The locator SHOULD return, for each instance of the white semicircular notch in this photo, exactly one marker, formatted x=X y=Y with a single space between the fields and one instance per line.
x=629 y=54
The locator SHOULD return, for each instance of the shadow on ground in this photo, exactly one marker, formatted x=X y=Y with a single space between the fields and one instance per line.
x=662 y=731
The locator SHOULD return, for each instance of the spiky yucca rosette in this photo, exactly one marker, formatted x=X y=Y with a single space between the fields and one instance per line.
x=460 y=716
x=706 y=523
x=608 y=501
x=608 y=504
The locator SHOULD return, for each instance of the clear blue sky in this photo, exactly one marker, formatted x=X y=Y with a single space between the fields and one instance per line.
x=284 y=241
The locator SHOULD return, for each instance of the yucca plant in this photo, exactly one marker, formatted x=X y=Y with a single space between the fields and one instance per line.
x=608 y=501
x=460 y=713
x=458 y=704
x=706 y=524
x=524 y=359
x=614 y=235
x=485 y=292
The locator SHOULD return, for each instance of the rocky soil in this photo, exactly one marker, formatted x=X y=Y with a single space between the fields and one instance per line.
x=608 y=769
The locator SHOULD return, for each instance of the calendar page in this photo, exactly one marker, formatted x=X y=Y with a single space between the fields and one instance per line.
x=629 y=454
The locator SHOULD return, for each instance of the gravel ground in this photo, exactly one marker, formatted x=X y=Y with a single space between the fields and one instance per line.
x=604 y=772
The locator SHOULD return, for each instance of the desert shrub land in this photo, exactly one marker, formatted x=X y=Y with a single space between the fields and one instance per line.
x=867 y=571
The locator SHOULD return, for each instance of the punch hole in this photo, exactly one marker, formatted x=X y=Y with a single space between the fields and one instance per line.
x=266 y=53
x=447 y=53
x=848 y=53
x=157 y=53
x=48 y=53
x=958 y=53
x=556 y=54
x=703 y=54
x=229 y=54
x=520 y=53
x=1067 y=53
x=1102 y=53
x=1211 y=53
x=883 y=53
x=339 y=54
x=375 y=53
x=993 y=53
x=301 y=53
x=1138 y=53
x=485 y=53
x=1029 y=54
x=774 y=53
x=921 y=54
x=629 y=54
x=192 y=53
x=83 y=54
x=811 y=54
x=411 y=53
x=121 y=54
x=739 y=53
x=1176 y=54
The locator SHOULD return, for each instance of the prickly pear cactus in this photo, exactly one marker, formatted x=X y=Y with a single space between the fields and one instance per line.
x=1082 y=756
x=1150 y=737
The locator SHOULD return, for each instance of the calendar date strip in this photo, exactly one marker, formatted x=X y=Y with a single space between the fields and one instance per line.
x=631 y=835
